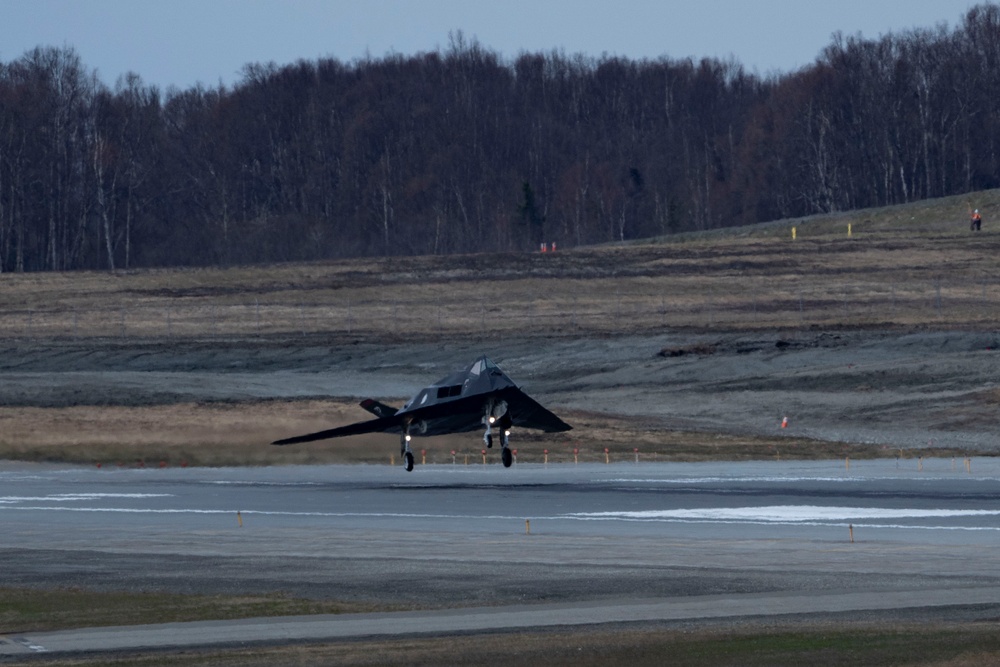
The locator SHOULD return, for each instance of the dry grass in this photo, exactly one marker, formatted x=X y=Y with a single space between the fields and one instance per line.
x=213 y=434
x=906 y=266
x=39 y=610
x=929 y=645
x=238 y=433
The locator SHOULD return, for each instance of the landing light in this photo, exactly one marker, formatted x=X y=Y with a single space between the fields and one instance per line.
x=507 y=433
x=407 y=437
x=492 y=419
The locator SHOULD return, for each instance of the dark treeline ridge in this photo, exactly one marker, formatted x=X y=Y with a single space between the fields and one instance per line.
x=463 y=151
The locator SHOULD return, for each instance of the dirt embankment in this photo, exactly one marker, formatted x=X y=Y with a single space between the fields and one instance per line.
x=883 y=389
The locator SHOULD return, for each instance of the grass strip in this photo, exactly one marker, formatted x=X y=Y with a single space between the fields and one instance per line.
x=39 y=610
x=859 y=645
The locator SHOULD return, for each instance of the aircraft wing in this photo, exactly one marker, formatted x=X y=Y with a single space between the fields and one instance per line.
x=529 y=413
x=380 y=425
x=466 y=414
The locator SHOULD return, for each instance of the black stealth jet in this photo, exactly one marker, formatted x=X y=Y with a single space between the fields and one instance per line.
x=480 y=396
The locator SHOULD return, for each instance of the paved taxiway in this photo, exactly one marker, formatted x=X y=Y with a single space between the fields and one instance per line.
x=607 y=543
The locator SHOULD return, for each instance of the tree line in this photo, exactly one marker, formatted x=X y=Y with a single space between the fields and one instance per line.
x=462 y=150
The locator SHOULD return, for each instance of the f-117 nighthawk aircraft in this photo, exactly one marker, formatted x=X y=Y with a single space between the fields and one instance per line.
x=479 y=396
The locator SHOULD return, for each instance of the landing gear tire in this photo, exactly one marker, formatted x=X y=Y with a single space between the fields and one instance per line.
x=506 y=457
x=408 y=461
x=489 y=441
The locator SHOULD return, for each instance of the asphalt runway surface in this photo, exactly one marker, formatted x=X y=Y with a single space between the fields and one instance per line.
x=481 y=548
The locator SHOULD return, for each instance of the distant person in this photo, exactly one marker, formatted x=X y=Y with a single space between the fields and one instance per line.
x=976 y=223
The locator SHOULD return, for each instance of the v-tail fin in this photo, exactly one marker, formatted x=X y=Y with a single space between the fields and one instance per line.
x=378 y=409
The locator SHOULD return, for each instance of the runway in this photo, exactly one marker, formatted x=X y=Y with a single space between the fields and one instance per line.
x=542 y=545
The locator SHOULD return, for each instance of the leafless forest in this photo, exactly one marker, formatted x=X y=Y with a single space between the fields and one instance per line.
x=463 y=150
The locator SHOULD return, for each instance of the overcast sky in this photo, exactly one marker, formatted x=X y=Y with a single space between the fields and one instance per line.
x=183 y=42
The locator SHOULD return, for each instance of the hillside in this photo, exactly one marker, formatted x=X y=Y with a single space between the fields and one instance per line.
x=909 y=266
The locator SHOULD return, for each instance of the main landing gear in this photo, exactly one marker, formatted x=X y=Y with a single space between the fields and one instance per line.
x=404 y=450
x=497 y=415
x=505 y=455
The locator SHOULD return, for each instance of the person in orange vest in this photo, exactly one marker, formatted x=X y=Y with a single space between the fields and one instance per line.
x=977 y=221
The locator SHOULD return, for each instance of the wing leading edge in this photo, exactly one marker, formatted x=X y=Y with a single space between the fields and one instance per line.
x=526 y=412
x=380 y=425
